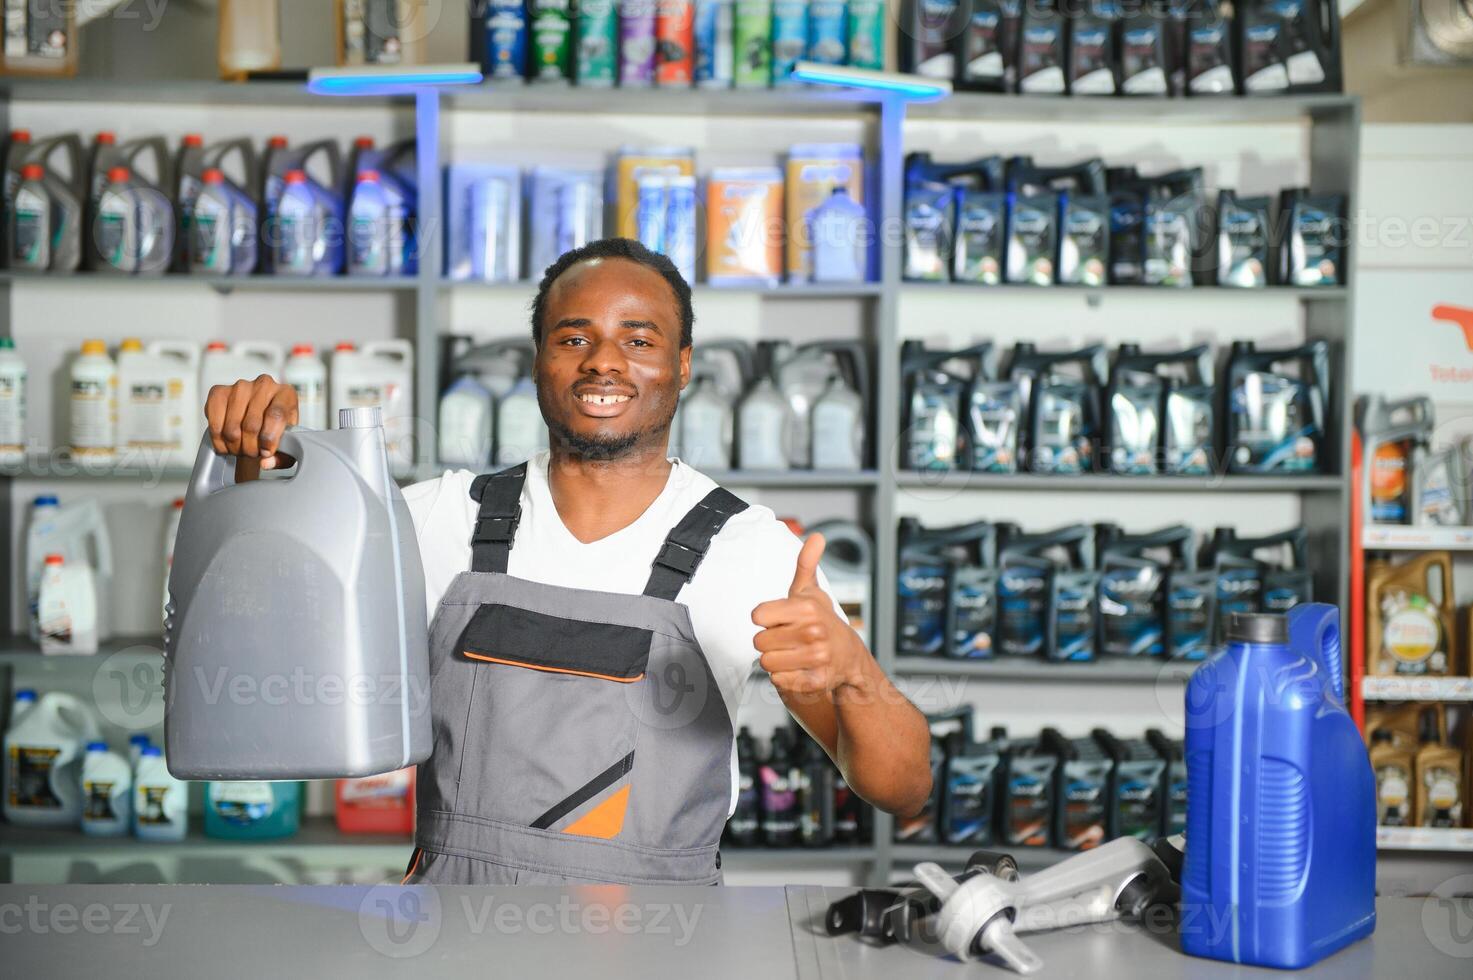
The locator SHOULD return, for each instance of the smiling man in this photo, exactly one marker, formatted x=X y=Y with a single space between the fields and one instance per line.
x=597 y=610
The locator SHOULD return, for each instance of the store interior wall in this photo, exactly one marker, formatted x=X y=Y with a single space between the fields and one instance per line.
x=1375 y=54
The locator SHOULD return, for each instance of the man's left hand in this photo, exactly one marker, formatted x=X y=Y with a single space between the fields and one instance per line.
x=806 y=648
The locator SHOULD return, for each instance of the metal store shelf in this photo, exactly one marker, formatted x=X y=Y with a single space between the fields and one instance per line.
x=1392 y=537
x=1417 y=688
x=838 y=290
x=964 y=480
x=183 y=91
x=1423 y=839
x=223 y=284
x=1111 y=669
x=1167 y=111
x=1212 y=294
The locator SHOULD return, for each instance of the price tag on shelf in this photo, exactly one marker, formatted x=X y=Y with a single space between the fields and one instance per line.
x=1424 y=839
x=1401 y=537
x=1417 y=688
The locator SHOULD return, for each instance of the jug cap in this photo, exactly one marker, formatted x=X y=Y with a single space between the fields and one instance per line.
x=119 y=175
x=46 y=500
x=107 y=137
x=193 y=140
x=214 y=175
x=32 y=171
x=96 y=746
x=303 y=349
x=296 y=176
x=151 y=750
x=364 y=142
x=366 y=417
x=139 y=739
x=1257 y=628
x=131 y=344
x=55 y=559
x=217 y=345
x=277 y=142
x=20 y=135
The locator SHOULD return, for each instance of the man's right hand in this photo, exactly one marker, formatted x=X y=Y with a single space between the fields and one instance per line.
x=246 y=420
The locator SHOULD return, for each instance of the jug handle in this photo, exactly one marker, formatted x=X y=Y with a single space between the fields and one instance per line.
x=1314 y=628
x=209 y=474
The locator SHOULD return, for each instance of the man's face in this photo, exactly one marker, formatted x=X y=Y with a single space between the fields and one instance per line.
x=610 y=368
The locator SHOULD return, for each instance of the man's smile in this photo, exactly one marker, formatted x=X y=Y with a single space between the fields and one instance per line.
x=601 y=401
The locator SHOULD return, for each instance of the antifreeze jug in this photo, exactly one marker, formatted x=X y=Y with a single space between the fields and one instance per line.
x=279 y=160
x=239 y=186
x=43 y=228
x=43 y=762
x=59 y=195
x=703 y=431
x=1280 y=866
x=129 y=219
x=317 y=571
x=1135 y=586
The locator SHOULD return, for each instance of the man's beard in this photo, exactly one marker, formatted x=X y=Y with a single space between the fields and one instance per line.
x=600 y=448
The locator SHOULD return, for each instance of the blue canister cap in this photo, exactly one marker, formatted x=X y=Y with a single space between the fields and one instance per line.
x=96 y=746
x=152 y=750
x=140 y=739
x=25 y=694
x=46 y=500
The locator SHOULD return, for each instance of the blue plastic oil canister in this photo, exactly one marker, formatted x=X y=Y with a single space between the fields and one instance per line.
x=1280 y=866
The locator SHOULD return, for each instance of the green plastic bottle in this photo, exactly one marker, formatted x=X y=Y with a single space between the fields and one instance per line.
x=753 y=40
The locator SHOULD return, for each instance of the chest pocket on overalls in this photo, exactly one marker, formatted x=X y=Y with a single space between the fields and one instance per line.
x=565 y=694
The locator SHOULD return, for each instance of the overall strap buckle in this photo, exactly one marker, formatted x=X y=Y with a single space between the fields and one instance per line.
x=500 y=496
x=687 y=543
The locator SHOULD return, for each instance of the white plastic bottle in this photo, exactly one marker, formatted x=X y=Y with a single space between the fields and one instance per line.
x=68 y=608
x=520 y=431
x=382 y=374
x=25 y=700
x=78 y=532
x=12 y=404
x=160 y=802
x=107 y=797
x=94 y=408
x=225 y=364
x=137 y=742
x=466 y=413
x=171 y=531
x=156 y=395
x=43 y=762
x=306 y=373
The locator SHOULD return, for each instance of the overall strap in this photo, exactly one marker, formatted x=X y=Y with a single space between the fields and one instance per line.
x=500 y=495
x=687 y=542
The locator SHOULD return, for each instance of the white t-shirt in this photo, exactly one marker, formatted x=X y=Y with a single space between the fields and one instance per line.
x=750 y=561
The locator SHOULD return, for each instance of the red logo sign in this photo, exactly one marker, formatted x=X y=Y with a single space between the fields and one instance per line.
x=1462 y=316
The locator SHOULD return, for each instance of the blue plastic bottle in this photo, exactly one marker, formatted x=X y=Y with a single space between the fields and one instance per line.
x=252 y=810
x=1280 y=866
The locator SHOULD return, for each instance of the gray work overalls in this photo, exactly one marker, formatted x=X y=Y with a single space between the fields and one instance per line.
x=578 y=735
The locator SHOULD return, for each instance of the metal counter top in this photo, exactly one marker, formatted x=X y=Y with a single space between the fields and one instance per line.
x=610 y=932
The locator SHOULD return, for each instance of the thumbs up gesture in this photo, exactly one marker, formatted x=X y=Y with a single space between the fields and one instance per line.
x=806 y=648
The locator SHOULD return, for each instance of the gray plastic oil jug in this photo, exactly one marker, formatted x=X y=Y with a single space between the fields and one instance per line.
x=295 y=639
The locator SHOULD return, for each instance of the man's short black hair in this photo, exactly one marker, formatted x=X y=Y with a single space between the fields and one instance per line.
x=616 y=248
